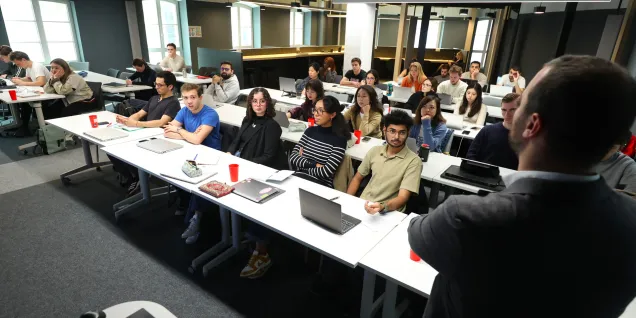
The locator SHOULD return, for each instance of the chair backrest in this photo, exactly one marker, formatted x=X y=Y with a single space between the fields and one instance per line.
x=96 y=87
x=78 y=66
x=112 y=72
x=156 y=67
x=338 y=96
x=337 y=79
x=446 y=142
x=124 y=75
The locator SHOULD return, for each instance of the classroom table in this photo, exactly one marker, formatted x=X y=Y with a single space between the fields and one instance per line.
x=279 y=96
x=104 y=79
x=192 y=79
x=390 y=259
x=495 y=112
x=34 y=101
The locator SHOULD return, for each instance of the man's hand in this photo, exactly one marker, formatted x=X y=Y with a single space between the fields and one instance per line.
x=372 y=207
x=216 y=79
x=128 y=82
x=426 y=117
x=17 y=81
x=121 y=119
x=170 y=129
x=356 y=84
x=474 y=74
x=131 y=122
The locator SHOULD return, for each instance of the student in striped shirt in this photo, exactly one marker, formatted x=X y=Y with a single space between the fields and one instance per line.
x=321 y=149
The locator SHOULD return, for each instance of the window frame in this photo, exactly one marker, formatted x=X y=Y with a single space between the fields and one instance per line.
x=484 y=51
x=439 y=33
x=293 y=13
x=162 y=41
x=240 y=45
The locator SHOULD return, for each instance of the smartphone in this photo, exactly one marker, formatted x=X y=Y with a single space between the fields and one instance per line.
x=365 y=139
x=103 y=123
x=466 y=132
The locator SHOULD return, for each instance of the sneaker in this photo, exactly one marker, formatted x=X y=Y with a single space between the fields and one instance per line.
x=256 y=266
x=133 y=188
x=192 y=239
x=192 y=229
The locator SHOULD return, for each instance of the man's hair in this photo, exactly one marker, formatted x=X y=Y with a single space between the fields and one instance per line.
x=559 y=102
x=398 y=118
x=173 y=46
x=191 y=87
x=510 y=97
x=17 y=55
x=516 y=68
x=455 y=69
x=227 y=63
x=5 y=50
x=168 y=78
x=445 y=66
x=138 y=62
x=356 y=59
x=476 y=62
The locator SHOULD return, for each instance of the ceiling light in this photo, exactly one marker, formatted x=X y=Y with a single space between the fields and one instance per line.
x=433 y=13
x=539 y=10
x=463 y=11
x=228 y=4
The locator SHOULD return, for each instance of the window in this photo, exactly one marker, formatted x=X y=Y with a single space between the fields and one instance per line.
x=241 y=27
x=41 y=36
x=296 y=24
x=481 y=41
x=161 y=18
x=432 y=35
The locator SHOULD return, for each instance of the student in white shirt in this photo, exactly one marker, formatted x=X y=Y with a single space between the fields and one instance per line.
x=471 y=106
x=453 y=87
x=172 y=62
x=475 y=73
x=514 y=79
x=36 y=73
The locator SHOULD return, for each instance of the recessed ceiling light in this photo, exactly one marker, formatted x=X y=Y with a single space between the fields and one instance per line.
x=539 y=10
x=463 y=11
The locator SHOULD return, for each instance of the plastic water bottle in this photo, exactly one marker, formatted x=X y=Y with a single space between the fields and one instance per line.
x=390 y=90
x=185 y=73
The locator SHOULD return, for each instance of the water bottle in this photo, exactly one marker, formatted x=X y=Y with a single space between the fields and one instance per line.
x=390 y=90
x=423 y=153
x=185 y=73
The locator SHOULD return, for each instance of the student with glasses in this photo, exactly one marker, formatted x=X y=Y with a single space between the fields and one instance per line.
x=372 y=80
x=366 y=112
x=428 y=89
x=322 y=147
x=224 y=88
x=145 y=76
x=430 y=125
x=314 y=92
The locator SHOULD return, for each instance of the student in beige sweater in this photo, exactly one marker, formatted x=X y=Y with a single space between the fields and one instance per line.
x=366 y=113
x=172 y=62
x=65 y=82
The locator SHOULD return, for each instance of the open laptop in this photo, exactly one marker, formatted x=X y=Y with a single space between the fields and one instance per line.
x=115 y=84
x=287 y=85
x=106 y=134
x=281 y=119
x=159 y=146
x=454 y=121
x=256 y=191
x=325 y=213
x=445 y=99
x=500 y=91
x=402 y=92
x=411 y=143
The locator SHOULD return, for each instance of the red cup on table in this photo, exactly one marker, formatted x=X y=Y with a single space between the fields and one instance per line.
x=234 y=172
x=414 y=257
x=311 y=122
x=94 y=122
x=358 y=134
x=13 y=94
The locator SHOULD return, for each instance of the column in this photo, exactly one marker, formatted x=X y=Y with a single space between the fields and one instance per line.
x=359 y=35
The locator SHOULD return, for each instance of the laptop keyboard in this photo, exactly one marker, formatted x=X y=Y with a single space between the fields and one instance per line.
x=346 y=225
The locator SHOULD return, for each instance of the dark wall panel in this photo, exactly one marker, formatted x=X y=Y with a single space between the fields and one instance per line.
x=275 y=28
x=587 y=29
x=454 y=34
x=216 y=28
x=539 y=37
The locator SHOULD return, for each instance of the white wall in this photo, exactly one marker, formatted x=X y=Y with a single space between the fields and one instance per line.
x=359 y=35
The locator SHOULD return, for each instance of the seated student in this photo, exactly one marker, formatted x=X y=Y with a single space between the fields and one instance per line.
x=321 y=149
x=454 y=86
x=224 y=88
x=12 y=71
x=173 y=62
x=428 y=89
x=396 y=170
x=65 y=82
x=443 y=73
x=328 y=72
x=475 y=74
x=146 y=76
x=314 y=68
x=36 y=74
x=258 y=140
x=372 y=79
x=313 y=93
x=355 y=76
x=197 y=124
x=415 y=77
x=158 y=112
x=459 y=60
x=405 y=71
x=514 y=79
x=366 y=112
x=471 y=106
x=430 y=125
x=619 y=170
x=491 y=143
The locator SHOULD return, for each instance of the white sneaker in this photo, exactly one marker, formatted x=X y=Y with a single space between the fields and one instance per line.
x=192 y=229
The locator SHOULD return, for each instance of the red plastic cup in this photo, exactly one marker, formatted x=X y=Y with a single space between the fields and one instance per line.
x=234 y=172
x=13 y=94
x=311 y=122
x=414 y=257
x=94 y=122
x=358 y=134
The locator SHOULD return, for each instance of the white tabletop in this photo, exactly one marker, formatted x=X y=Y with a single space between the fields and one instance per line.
x=337 y=88
x=495 y=112
x=6 y=98
x=391 y=260
x=278 y=96
x=192 y=79
x=104 y=79
x=79 y=124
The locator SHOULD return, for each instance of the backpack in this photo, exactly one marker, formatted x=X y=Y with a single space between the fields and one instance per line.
x=125 y=109
x=51 y=139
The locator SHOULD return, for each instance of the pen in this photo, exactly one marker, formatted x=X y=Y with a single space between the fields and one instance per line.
x=335 y=198
x=195 y=157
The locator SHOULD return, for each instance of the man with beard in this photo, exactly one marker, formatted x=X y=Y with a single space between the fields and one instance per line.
x=396 y=169
x=224 y=88
x=558 y=241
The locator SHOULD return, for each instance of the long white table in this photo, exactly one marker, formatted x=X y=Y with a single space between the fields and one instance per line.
x=192 y=79
x=283 y=101
x=104 y=79
x=390 y=259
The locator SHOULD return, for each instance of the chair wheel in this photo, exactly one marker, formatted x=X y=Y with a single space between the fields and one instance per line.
x=66 y=181
x=98 y=168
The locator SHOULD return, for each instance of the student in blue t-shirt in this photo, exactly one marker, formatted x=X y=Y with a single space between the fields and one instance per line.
x=197 y=124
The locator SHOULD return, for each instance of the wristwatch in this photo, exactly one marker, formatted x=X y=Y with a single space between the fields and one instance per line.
x=383 y=205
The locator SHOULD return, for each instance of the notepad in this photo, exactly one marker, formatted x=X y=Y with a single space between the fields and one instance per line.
x=280 y=175
x=126 y=128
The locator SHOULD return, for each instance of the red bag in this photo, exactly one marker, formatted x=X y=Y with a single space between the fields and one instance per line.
x=216 y=189
x=630 y=148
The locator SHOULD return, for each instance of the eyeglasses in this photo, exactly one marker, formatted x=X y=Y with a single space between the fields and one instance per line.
x=159 y=84
x=226 y=69
x=401 y=133
x=370 y=79
x=432 y=107
x=318 y=111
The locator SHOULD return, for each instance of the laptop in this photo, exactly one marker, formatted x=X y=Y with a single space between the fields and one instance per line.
x=469 y=81
x=115 y=84
x=402 y=92
x=256 y=191
x=454 y=121
x=458 y=174
x=287 y=85
x=159 y=146
x=325 y=213
x=411 y=143
x=281 y=119
x=106 y=134
x=500 y=91
x=445 y=99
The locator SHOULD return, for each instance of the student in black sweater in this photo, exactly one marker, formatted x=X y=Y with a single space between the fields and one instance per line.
x=321 y=148
x=491 y=143
x=146 y=75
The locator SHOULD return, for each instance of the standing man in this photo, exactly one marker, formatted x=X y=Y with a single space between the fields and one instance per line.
x=224 y=88
x=146 y=76
x=172 y=62
x=355 y=76
x=443 y=73
x=474 y=73
x=36 y=73
x=514 y=79
x=454 y=86
x=491 y=144
x=558 y=241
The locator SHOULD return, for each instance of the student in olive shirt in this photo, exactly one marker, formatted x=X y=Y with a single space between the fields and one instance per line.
x=356 y=76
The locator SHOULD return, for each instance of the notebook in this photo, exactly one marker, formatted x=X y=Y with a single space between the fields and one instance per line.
x=106 y=134
x=256 y=191
x=159 y=146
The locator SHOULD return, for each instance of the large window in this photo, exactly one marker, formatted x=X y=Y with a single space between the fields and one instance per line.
x=432 y=35
x=41 y=29
x=296 y=24
x=481 y=42
x=242 y=36
x=161 y=18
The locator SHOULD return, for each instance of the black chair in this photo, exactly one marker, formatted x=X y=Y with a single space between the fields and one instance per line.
x=208 y=70
x=97 y=102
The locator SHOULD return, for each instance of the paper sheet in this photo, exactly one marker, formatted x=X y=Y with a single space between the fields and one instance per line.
x=378 y=222
x=280 y=175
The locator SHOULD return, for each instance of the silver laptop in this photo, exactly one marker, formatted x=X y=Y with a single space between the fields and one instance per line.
x=281 y=119
x=325 y=213
x=454 y=121
x=501 y=91
x=159 y=146
x=445 y=99
x=287 y=85
x=106 y=134
x=411 y=143
x=402 y=92
x=256 y=191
